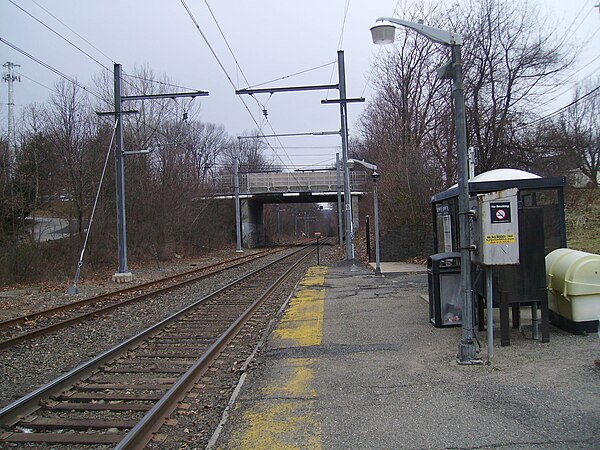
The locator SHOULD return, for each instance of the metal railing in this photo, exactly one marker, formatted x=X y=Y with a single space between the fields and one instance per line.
x=273 y=182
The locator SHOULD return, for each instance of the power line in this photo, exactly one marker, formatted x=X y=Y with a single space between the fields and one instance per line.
x=339 y=41
x=49 y=67
x=36 y=82
x=59 y=35
x=343 y=24
x=191 y=15
x=74 y=32
x=558 y=111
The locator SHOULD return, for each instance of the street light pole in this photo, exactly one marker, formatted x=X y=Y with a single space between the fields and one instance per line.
x=344 y=132
x=373 y=168
x=376 y=208
x=466 y=348
x=384 y=34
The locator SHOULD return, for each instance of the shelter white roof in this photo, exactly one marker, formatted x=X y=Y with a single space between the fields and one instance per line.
x=500 y=175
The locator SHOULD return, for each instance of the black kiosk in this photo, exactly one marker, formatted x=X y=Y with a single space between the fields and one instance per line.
x=541 y=230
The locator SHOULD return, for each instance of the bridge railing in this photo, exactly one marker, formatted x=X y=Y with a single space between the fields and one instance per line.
x=270 y=182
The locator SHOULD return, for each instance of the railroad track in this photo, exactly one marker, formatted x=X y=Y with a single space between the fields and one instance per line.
x=30 y=326
x=124 y=395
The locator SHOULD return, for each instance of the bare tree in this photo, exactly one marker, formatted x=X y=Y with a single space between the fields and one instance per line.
x=512 y=58
x=71 y=125
x=402 y=127
x=572 y=141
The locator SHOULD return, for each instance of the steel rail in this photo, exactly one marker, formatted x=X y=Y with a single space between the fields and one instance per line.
x=142 y=433
x=80 y=303
x=10 y=414
x=98 y=312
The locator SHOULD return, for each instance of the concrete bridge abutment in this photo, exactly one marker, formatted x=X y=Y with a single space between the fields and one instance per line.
x=253 y=229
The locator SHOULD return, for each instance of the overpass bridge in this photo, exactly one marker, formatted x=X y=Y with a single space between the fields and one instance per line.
x=260 y=188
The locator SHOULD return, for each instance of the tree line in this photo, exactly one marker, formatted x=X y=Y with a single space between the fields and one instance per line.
x=63 y=148
x=514 y=60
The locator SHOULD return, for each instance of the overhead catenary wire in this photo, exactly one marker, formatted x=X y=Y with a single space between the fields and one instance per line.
x=74 y=32
x=191 y=15
x=341 y=39
x=64 y=38
x=291 y=75
x=260 y=105
x=237 y=64
x=59 y=35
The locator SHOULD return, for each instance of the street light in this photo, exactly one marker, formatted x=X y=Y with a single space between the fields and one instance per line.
x=373 y=168
x=383 y=32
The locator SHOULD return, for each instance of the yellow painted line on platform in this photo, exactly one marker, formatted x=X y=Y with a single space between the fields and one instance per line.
x=285 y=416
x=302 y=324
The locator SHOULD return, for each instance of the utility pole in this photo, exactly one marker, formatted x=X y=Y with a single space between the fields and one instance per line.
x=10 y=77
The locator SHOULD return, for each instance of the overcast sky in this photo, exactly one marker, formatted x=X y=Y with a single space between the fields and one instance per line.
x=269 y=38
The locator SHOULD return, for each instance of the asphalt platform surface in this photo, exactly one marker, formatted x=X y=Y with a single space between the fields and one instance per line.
x=366 y=370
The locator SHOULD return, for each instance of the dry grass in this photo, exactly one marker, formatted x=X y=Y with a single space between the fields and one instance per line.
x=582 y=213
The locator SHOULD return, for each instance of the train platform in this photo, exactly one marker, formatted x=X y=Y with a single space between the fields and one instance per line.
x=355 y=363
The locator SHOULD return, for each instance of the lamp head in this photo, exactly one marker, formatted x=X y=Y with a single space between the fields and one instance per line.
x=383 y=33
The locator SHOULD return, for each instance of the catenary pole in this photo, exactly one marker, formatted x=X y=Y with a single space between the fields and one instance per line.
x=123 y=273
x=344 y=131
x=339 y=199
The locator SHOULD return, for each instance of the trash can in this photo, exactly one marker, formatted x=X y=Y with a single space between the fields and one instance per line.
x=573 y=280
x=443 y=276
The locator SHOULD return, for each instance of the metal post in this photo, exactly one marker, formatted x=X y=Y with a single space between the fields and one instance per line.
x=296 y=227
x=376 y=208
x=490 y=313
x=466 y=347
x=123 y=274
x=277 y=207
x=368 y=237
x=339 y=199
x=236 y=190
x=344 y=131
x=318 y=252
x=305 y=224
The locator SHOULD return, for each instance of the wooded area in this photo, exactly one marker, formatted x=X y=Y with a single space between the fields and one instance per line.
x=515 y=62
